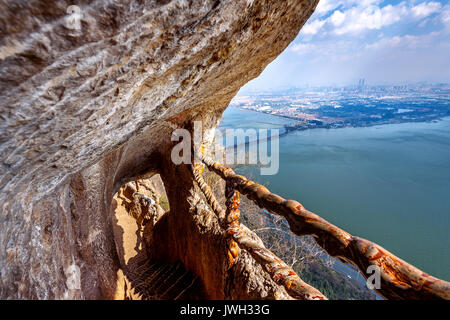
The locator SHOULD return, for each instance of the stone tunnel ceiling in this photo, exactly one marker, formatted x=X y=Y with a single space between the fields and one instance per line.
x=84 y=111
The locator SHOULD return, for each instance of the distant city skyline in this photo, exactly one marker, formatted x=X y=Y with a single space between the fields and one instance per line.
x=383 y=42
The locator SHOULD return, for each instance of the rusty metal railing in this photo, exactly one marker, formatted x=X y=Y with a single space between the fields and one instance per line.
x=399 y=279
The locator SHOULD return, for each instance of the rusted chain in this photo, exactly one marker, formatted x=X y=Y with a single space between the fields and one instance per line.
x=399 y=279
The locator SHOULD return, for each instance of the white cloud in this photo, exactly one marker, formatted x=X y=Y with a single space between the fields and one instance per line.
x=372 y=17
x=349 y=39
x=445 y=17
x=337 y=18
x=313 y=27
x=325 y=6
x=328 y=51
x=406 y=42
x=303 y=48
x=425 y=9
x=354 y=17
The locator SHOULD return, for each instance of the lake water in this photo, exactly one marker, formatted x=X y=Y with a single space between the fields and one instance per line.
x=389 y=184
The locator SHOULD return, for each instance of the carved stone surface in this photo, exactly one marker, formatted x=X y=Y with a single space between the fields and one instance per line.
x=84 y=111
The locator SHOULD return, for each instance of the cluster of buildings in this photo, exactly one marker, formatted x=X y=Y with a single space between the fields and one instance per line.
x=359 y=105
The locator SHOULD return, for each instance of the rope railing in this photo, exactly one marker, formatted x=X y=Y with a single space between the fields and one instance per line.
x=399 y=279
x=238 y=239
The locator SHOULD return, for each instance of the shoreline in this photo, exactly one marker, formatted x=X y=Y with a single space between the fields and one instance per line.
x=290 y=129
x=302 y=128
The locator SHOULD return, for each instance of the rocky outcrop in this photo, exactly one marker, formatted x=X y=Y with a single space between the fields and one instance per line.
x=89 y=100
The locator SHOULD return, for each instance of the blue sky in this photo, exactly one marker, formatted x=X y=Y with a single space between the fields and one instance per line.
x=382 y=41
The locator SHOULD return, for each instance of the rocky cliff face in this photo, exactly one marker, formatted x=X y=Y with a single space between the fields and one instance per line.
x=89 y=99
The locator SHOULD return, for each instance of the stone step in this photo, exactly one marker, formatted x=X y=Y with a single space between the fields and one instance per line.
x=160 y=281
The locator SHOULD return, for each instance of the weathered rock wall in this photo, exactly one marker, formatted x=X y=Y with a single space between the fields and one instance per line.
x=84 y=111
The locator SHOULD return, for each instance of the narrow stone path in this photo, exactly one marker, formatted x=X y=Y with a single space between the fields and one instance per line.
x=158 y=281
x=140 y=277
